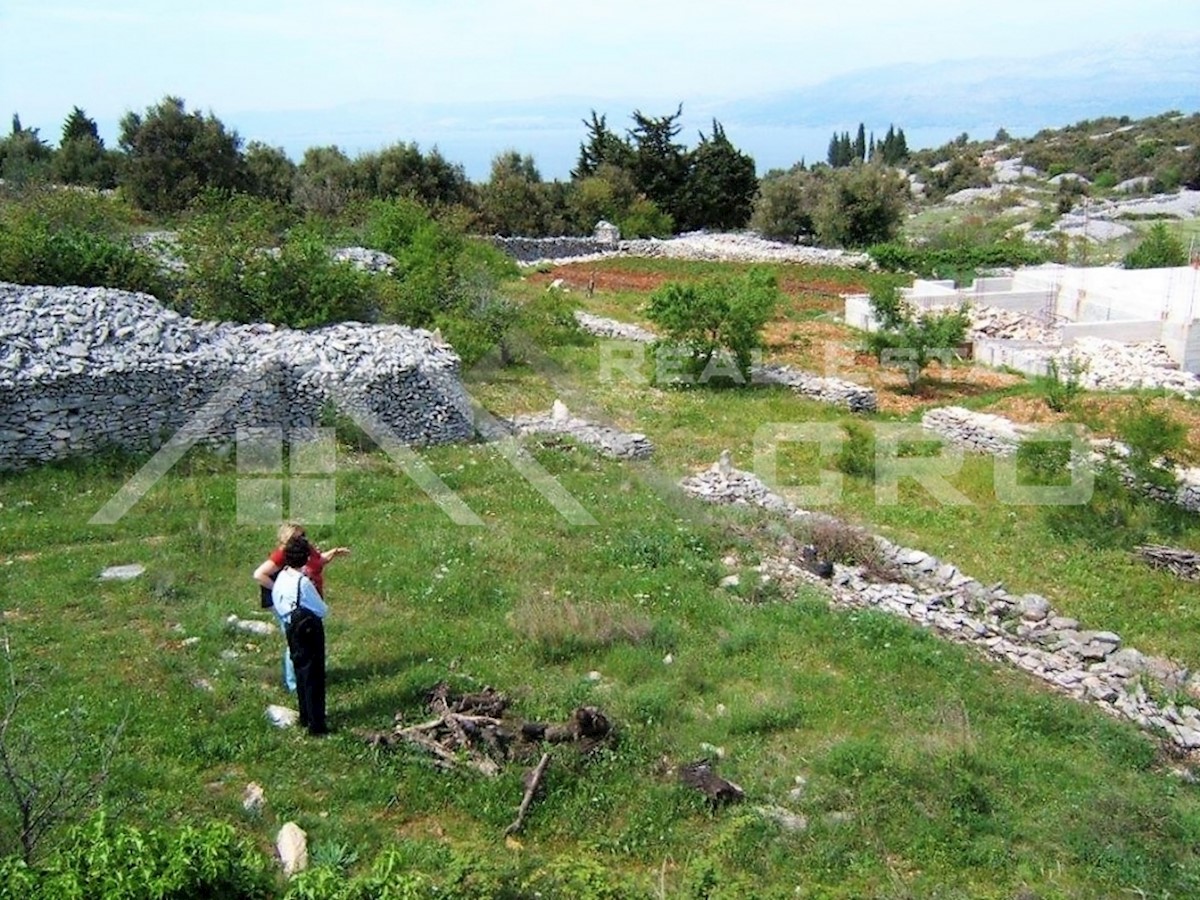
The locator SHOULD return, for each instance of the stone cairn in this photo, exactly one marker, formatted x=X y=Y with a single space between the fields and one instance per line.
x=1023 y=630
x=82 y=368
x=837 y=391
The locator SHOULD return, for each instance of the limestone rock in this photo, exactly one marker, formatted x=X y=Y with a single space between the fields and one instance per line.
x=292 y=844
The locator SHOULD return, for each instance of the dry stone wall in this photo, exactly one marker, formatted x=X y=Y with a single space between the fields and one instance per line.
x=85 y=368
x=1023 y=630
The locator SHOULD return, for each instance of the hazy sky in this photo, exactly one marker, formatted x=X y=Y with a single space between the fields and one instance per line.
x=110 y=56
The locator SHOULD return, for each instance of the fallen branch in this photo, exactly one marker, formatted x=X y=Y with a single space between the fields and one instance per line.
x=532 y=783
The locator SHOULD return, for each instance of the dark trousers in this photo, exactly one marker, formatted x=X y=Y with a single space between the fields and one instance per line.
x=306 y=643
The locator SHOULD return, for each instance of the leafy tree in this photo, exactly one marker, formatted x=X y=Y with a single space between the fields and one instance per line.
x=715 y=318
x=721 y=184
x=602 y=147
x=402 y=170
x=911 y=341
x=172 y=156
x=608 y=193
x=644 y=219
x=324 y=181
x=1158 y=249
x=24 y=156
x=514 y=199
x=786 y=205
x=269 y=173
x=861 y=206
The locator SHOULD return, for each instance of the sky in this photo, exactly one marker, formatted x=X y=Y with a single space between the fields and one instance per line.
x=241 y=59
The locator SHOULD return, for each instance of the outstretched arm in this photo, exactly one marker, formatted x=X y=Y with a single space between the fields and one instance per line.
x=330 y=555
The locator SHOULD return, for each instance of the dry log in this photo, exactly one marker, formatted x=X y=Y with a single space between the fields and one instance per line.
x=1181 y=563
x=533 y=781
x=700 y=775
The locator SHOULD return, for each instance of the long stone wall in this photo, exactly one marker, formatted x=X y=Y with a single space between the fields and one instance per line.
x=1024 y=630
x=86 y=368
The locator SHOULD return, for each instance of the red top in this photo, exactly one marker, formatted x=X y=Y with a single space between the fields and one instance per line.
x=312 y=568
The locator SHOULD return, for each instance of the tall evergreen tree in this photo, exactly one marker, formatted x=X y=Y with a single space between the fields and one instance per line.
x=860 y=143
x=721 y=185
x=659 y=164
x=601 y=146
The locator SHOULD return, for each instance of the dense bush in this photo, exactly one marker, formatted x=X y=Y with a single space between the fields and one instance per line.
x=860 y=206
x=238 y=269
x=172 y=156
x=953 y=261
x=713 y=324
x=1158 y=249
x=70 y=237
x=104 y=861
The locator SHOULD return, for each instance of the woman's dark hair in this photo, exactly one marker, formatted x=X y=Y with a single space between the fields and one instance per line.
x=296 y=551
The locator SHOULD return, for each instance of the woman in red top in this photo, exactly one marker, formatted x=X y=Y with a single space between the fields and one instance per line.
x=273 y=565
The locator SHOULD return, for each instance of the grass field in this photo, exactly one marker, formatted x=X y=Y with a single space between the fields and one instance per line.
x=919 y=768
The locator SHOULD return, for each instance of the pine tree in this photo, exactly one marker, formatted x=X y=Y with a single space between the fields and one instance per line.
x=860 y=143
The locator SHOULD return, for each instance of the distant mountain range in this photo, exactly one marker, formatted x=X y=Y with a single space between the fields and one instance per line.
x=933 y=102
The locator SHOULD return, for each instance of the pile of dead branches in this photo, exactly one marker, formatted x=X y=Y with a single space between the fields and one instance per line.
x=1181 y=563
x=472 y=730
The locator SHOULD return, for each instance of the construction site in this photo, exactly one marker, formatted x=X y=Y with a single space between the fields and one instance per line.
x=1127 y=328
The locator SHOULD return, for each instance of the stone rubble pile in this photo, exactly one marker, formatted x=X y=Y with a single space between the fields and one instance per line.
x=1114 y=365
x=980 y=432
x=837 y=391
x=1011 y=325
x=1000 y=436
x=81 y=368
x=611 y=328
x=610 y=442
x=741 y=248
x=1023 y=630
x=693 y=246
x=366 y=259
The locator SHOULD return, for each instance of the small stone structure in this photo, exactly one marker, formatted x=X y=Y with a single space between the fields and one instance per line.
x=85 y=368
x=1024 y=630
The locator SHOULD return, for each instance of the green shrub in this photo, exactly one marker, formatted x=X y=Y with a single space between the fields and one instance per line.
x=1059 y=388
x=714 y=321
x=953 y=261
x=238 y=270
x=857 y=454
x=1158 y=249
x=1045 y=462
x=910 y=341
x=100 y=860
x=70 y=237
